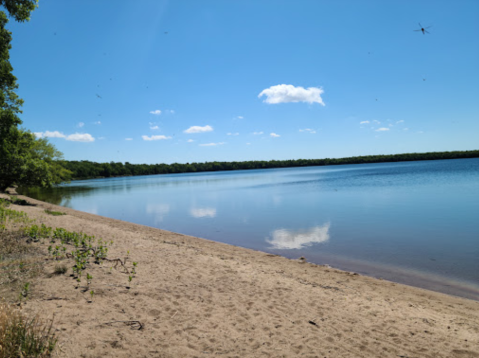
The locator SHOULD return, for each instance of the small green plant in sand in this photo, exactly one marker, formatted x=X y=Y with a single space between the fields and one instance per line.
x=91 y=295
x=24 y=292
x=54 y=213
x=21 y=336
x=130 y=278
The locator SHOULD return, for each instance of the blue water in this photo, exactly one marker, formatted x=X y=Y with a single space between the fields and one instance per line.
x=412 y=222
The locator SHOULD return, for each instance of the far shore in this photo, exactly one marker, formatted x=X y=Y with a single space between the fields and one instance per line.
x=199 y=298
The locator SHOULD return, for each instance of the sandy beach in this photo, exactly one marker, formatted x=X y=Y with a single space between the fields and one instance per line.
x=192 y=297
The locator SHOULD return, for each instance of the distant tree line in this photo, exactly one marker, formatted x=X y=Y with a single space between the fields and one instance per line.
x=87 y=170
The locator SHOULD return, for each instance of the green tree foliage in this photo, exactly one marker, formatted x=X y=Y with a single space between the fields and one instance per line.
x=87 y=170
x=19 y=9
x=31 y=162
x=24 y=160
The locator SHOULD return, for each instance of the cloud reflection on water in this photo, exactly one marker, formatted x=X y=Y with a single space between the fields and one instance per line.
x=159 y=211
x=203 y=212
x=283 y=239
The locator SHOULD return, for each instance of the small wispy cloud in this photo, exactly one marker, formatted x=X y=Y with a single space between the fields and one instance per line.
x=232 y=133
x=97 y=123
x=154 y=127
x=383 y=129
x=156 y=112
x=48 y=134
x=128 y=138
x=376 y=121
x=248 y=143
x=190 y=140
x=240 y=117
x=80 y=124
x=364 y=122
x=257 y=133
x=80 y=137
x=288 y=93
x=401 y=121
x=274 y=135
x=77 y=137
x=308 y=130
x=211 y=144
x=198 y=129
x=155 y=137
x=101 y=138
x=405 y=129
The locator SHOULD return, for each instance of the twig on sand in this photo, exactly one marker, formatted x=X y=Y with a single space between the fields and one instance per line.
x=133 y=324
x=117 y=261
x=54 y=298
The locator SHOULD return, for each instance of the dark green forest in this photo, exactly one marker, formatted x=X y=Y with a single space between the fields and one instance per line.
x=88 y=170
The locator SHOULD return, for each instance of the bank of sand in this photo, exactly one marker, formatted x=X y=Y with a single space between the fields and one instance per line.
x=198 y=298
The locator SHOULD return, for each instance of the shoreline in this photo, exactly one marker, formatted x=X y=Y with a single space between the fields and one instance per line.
x=198 y=298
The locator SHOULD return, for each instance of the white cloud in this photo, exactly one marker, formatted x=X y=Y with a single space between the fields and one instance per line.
x=154 y=127
x=128 y=138
x=312 y=131
x=288 y=93
x=198 y=129
x=248 y=143
x=211 y=144
x=232 y=133
x=81 y=124
x=156 y=112
x=240 y=117
x=274 y=135
x=97 y=123
x=376 y=121
x=155 y=137
x=203 y=212
x=382 y=129
x=295 y=239
x=101 y=138
x=406 y=129
x=190 y=140
x=171 y=111
x=401 y=121
x=257 y=133
x=80 y=137
x=364 y=122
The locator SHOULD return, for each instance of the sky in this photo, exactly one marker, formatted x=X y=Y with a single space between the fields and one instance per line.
x=164 y=81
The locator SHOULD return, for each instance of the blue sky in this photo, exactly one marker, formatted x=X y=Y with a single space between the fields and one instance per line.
x=180 y=81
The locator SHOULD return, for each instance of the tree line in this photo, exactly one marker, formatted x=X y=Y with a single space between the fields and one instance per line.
x=88 y=170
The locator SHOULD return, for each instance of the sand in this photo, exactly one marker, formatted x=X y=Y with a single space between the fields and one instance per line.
x=198 y=298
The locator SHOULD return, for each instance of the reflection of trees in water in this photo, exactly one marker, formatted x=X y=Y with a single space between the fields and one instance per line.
x=59 y=195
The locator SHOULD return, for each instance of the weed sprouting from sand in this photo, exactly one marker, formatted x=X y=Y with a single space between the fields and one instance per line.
x=24 y=337
x=54 y=213
x=60 y=269
x=24 y=292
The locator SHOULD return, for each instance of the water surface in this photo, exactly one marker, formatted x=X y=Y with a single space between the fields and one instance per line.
x=411 y=222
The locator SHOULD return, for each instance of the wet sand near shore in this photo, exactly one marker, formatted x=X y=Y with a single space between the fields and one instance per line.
x=197 y=298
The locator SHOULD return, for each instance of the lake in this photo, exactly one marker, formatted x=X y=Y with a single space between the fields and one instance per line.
x=410 y=222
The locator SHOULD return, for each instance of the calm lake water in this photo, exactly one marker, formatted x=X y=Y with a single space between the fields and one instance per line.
x=412 y=222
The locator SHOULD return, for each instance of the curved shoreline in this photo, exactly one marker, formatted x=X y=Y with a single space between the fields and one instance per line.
x=199 y=298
